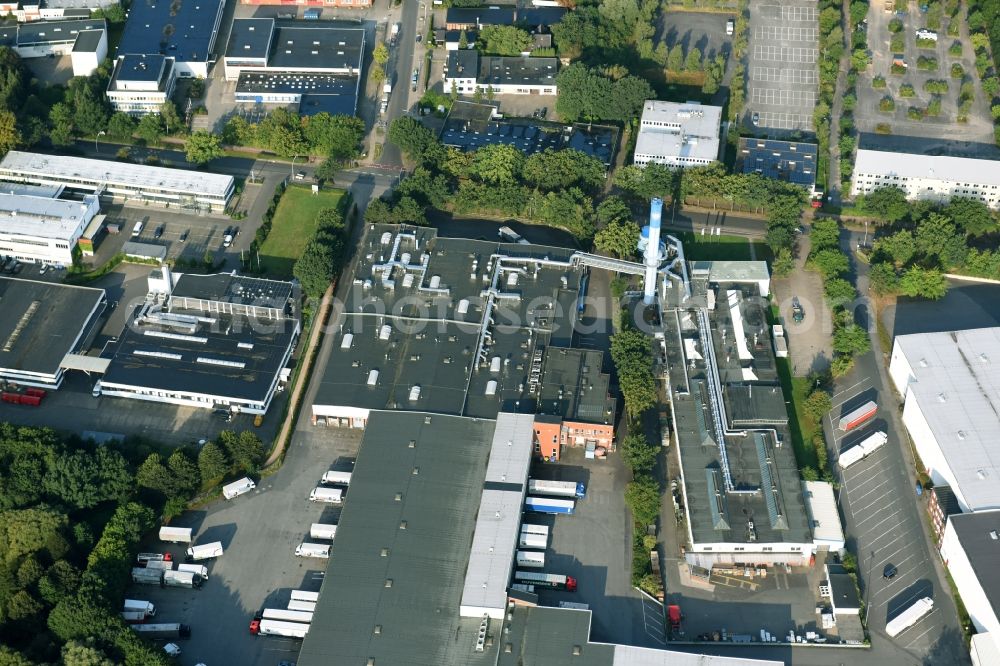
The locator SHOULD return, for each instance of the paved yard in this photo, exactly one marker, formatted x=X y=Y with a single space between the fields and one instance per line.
x=706 y=32
x=782 y=74
x=966 y=305
x=259 y=532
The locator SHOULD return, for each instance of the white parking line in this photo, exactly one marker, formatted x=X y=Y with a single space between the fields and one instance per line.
x=784 y=98
x=861 y=509
x=856 y=483
x=777 y=12
x=876 y=515
x=790 y=121
x=783 y=75
x=785 y=33
x=932 y=626
x=871 y=545
x=789 y=54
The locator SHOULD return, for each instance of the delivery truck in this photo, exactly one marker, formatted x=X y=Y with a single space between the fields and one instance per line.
x=302 y=595
x=147 y=576
x=909 y=617
x=165 y=630
x=308 y=606
x=133 y=616
x=550 y=581
x=393 y=34
x=175 y=534
x=322 y=531
x=279 y=628
x=237 y=488
x=146 y=558
x=859 y=451
x=549 y=505
x=529 y=540
x=858 y=416
x=286 y=615
x=530 y=528
x=533 y=559
x=181 y=579
x=198 y=569
x=205 y=551
x=556 y=488
x=162 y=565
x=343 y=478
x=321 y=550
x=146 y=607
x=328 y=495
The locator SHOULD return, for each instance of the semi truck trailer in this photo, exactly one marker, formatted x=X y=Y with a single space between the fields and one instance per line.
x=529 y=540
x=533 y=559
x=550 y=581
x=858 y=416
x=147 y=576
x=162 y=565
x=205 y=551
x=279 y=628
x=909 y=617
x=328 y=495
x=302 y=595
x=308 y=606
x=181 y=579
x=549 y=505
x=534 y=529
x=557 y=488
x=146 y=607
x=237 y=488
x=863 y=449
x=167 y=630
x=321 y=550
x=322 y=531
x=197 y=569
x=175 y=534
x=133 y=616
x=287 y=615
x=343 y=478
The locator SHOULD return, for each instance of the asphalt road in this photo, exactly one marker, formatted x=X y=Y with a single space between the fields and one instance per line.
x=725 y=223
x=400 y=69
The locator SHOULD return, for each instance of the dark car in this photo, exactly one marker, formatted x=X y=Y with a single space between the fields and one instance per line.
x=184 y=235
x=223 y=414
x=158 y=232
x=890 y=571
x=755 y=119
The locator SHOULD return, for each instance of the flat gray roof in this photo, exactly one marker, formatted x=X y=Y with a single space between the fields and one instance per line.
x=574 y=386
x=42 y=322
x=405 y=581
x=87 y=41
x=976 y=533
x=250 y=38
x=317 y=48
x=55 y=32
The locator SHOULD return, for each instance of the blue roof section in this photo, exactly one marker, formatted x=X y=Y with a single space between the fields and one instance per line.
x=182 y=29
x=790 y=161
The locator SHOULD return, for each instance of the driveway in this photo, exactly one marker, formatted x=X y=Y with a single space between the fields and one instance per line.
x=810 y=342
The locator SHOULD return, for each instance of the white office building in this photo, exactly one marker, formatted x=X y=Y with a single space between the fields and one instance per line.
x=37 y=227
x=928 y=177
x=141 y=84
x=678 y=135
x=950 y=383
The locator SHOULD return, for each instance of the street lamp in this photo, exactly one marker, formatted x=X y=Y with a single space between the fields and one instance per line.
x=101 y=133
x=294 y=157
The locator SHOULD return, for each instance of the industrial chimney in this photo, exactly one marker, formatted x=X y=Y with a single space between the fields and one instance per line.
x=652 y=250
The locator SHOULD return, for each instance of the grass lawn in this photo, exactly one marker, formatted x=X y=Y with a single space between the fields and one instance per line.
x=293 y=226
x=732 y=248
x=801 y=426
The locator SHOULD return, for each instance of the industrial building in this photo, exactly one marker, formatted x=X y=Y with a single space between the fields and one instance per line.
x=141 y=84
x=928 y=177
x=53 y=10
x=424 y=554
x=130 y=184
x=678 y=135
x=951 y=409
x=971 y=549
x=824 y=516
x=43 y=327
x=84 y=40
x=209 y=341
x=791 y=161
x=468 y=71
x=470 y=126
x=39 y=227
x=184 y=30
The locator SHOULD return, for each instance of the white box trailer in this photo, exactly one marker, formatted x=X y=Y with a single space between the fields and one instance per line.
x=529 y=540
x=535 y=529
x=205 y=551
x=873 y=442
x=133 y=616
x=199 y=569
x=146 y=607
x=162 y=565
x=147 y=576
x=343 y=478
x=280 y=628
x=237 y=488
x=861 y=450
x=321 y=550
x=328 y=495
x=322 y=531
x=302 y=595
x=165 y=630
x=296 y=605
x=909 y=617
x=533 y=559
x=181 y=579
x=175 y=534
x=287 y=615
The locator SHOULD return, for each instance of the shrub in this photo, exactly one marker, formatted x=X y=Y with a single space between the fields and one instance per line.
x=897 y=69
x=955 y=50
x=957 y=71
x=915 y=113
x=936 y=86
x=906 y=90
x=887 y=104
x=878 y=82
x=934 y=107
x=927 y=63
x=883 y=128
x=898 y=43
x=895 y=26
x=926 y=43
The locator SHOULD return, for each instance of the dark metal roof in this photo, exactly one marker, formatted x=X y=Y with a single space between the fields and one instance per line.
x=481 y=15
x=790 y=161
x=543 y=636
x=184 y=29
x=844 y=591
x=87 y=41
x=755 y=405
x=134 y=67
x=979 y=535
x=393 y=594
x=335 y=94
x=250 y=38
x=328 y=48
x=41 y=321
x=228 y=288
x=55 y=32
x=574 y=386
x=513 y=70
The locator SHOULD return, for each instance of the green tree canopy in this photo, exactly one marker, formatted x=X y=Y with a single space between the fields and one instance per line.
x=638 y=454
x=504 y=40
x=498 y=163
x=921 y=282
x=314 y=270
x=618 y=239
x=202 y=147
x=851 y=340
x=887 y=203
x=559 y=169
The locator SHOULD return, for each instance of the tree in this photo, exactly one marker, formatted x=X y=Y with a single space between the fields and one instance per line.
x=90 y=113
x=825 y=234
x=171 y=120
x=830 y=263
x=851 y=340
x=841 y=365
x=638 y=454
x=416 y=141
x=61 y=124
x=34 y=530
x=561 y=169
x=61 y=580
x=150 y=128
x=314 y=270
x=613 y=209
x=202 y=147
x=783 y=263
x=888 y=203
x=409 y=211
x=971 y=215
x=152 y=474
x=427 y=189
x=692 y=63
x=245 y=449
x=586 y=94
x=83 y=479
x=10 y=136
x=498 y=163
x=936 y=236
x=920 y=282
x=642 y=496
x=212 y=462
x=618 y=239
x=121 y=126
x=839 y=291
x=883 y=278
x=335 y=136
x=186 y=474
x=900 y=247
x=504 y=40
x=675 y=59
x=463 y=43
x=381 y=54
x=80 y=653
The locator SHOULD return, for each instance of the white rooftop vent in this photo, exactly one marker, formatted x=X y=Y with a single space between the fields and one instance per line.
x=385 y=332
x=923 y=363
x=347 y=341
x=386 y=238
x=435 y=281
x=405 y=259
x=491 y=387
x=415 y=394
x=942 y=397
x=495 y=364
x=463 y=306
x=373 y=378
x=408 y=280
x=993 y=535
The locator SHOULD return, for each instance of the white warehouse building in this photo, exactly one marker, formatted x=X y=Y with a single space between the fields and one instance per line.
x=35 y=226
x=678 y=135
x=950 y=383
x=927 y=177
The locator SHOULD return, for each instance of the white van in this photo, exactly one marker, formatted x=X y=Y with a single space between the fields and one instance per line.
x=146 y=607
x=199 y=569
x=237 y=488
x=321 y=550
x=329 y=495
x=137 y=229
x=730 y=26
x=343 y=478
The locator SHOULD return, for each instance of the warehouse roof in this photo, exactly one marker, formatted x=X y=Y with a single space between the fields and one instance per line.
x=394 y=580
x=250 y=38
x=672 y=129
x=55 y=32
x=231 y=288
x=932 y=167
x=42 y=322
x=573 y=386
x=44 y=217
x=326 y=48
x=821 y=508
x=790 y=161
x=88 y=41
x=979 y=535
x=95 y=173
x=335 y=94
x=183 y=29
x=955 y=382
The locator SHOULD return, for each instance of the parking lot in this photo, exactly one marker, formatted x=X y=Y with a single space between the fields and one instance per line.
x=930 y=133
x=706 y=32
x=259 y=532
x=594 y=546
x=782 y=77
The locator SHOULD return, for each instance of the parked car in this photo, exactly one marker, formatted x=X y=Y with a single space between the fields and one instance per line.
x=223 y=414
x=755 y=119
x=890 y=571
x=158 y=232
x=184 y=235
